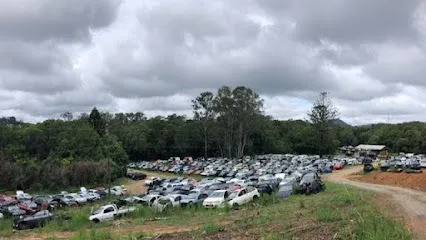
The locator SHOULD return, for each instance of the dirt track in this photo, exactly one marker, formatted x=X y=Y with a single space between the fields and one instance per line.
x=412 y=202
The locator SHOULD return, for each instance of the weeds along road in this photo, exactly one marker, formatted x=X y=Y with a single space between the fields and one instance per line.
x=411 y=202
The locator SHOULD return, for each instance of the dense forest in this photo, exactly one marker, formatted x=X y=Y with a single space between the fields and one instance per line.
x=93 y=148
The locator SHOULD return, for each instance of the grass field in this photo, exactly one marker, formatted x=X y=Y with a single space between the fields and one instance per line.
x=340 y=212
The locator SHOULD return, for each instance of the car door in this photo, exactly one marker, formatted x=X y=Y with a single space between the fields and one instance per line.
x=316 y=183
x=176 y=201
x=201 y=197
x=108 y=214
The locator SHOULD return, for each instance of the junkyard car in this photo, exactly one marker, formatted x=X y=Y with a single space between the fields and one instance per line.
x=216 y=199
x=309 y=183
x=39 y=219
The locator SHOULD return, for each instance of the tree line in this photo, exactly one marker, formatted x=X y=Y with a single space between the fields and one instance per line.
x=94 y=147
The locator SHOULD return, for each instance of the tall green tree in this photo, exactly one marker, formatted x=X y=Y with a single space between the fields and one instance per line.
x=203 y=107
x=239 y=113
x=322 y=114
x=97 y=122
x=224 y=109
x=247 y=110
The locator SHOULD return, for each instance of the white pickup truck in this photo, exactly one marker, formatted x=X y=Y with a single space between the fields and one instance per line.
x=244 y=196
x=109 y=212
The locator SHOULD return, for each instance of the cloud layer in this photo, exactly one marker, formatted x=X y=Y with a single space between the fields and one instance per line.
x=155 y=56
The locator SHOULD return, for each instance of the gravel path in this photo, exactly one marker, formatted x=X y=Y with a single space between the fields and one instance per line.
x=412 y=202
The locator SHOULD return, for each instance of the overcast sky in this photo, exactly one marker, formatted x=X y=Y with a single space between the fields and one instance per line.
x=154 y=56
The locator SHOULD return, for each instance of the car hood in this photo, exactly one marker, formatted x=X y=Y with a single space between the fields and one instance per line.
x=187 y=200
x=207 y=200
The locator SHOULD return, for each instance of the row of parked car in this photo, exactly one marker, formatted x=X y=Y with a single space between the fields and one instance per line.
x=240 y=168
x=403 y=163
x=32 y=211
x=211 y=192
x=227 y=182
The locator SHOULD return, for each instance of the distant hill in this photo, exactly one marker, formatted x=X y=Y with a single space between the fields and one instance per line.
x=340 y=122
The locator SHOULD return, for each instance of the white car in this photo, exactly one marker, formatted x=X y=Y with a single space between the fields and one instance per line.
x=244 y=196
x=118 y=190
x=109 y=212
x=172 y=200
x=287 y=181
x=91 y=197
x=149 y=199
x=216 y=199
x=150 y=180
x=237 y=181
x=422 y=163
x=77 y=198
x=280 y=176
x=21 y=195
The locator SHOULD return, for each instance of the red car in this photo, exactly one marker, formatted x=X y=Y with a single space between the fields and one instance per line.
x=6 y=200
x=337 y=166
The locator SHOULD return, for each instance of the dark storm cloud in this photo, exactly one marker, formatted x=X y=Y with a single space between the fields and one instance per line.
x=34 y=41
x=157 y=55
x=53 y=105
x=40 y=20
x=348 y=21
x=21 y=56
x=207 y=45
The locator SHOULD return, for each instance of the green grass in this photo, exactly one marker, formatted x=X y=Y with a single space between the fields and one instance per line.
x=342 y=211
x=92 y=235
x=211 y=228
x=375 y=226
x=5 y=228
x=327 y=214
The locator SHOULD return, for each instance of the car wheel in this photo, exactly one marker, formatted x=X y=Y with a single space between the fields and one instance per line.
x=22 y=226
x=95 y=220
x=255 y=197
x=235 y=205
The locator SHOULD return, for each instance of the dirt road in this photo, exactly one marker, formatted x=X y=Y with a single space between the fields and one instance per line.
x=412 y=202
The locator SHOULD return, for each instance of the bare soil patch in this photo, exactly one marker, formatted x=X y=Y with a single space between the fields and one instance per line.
x=415 y=181
x=136 y=187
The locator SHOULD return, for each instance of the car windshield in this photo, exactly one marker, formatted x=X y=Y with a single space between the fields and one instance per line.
x=308 y=178
x=233 y=194
x=285 y=188
x=12 y=208
x=190 y=196
x=100 y=210
x=164 y=201
x=147 y=197
x=41 y=213
x=217 y=194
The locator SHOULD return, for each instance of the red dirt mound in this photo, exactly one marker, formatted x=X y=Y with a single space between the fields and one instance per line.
x=415 y=181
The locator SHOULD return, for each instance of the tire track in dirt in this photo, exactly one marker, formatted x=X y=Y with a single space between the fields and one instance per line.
x=412 y=202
